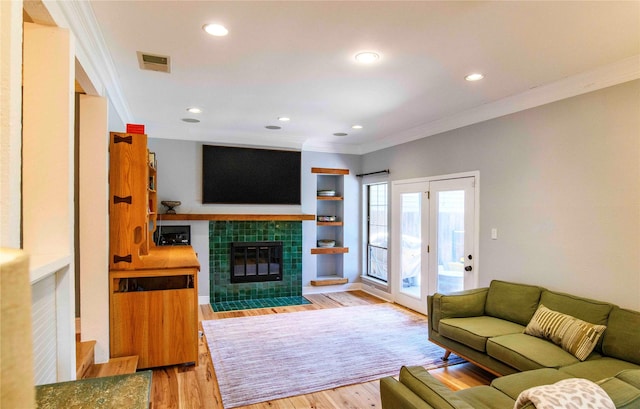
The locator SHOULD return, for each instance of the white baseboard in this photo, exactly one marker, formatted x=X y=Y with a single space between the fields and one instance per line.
x=203 y=299
x=370 y=289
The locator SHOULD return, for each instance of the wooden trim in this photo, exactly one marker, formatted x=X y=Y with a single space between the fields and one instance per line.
x=329 y=281
x=329 y=223
x=238 y=217
x=330 y=198
x=330 y=171
x=329 y=250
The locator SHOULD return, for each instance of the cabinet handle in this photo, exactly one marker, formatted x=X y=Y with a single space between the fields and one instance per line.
x=118 y=259
x=125 y=139
x=118 y=199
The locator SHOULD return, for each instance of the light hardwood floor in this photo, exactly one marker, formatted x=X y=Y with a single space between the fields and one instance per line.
x=193 y=387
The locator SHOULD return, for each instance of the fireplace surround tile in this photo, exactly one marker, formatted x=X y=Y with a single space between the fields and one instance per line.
x=223 y=233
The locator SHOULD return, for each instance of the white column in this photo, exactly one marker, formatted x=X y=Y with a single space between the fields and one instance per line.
x=94 y=223
x=11 y=125
x=48 y=176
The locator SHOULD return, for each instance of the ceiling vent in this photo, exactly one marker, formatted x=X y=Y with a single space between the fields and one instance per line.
x=154 y=62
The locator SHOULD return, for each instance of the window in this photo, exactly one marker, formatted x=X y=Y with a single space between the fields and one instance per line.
x=377 y=231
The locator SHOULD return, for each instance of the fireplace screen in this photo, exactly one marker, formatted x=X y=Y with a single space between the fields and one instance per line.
x=256 y=261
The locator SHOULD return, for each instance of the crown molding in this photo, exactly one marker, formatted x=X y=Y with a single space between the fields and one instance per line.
x=605 y=76
x=326 y=147
x=97 y=75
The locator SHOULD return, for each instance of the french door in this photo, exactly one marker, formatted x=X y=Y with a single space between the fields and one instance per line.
x=410 y=212
x=433 y=238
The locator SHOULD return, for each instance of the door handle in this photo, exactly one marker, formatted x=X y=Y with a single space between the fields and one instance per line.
x=469 y=268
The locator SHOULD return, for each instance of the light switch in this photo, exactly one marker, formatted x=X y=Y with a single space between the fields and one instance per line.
x=494 y=234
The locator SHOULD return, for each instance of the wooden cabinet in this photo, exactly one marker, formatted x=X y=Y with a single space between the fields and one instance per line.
x=154 y=313
x=132 y=202
x=330 y=203
x=153 y=292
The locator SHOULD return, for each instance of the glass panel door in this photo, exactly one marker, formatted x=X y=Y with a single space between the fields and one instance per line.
x=409 y=255
x=452 y=214
x=433 y=242
x=411 y=244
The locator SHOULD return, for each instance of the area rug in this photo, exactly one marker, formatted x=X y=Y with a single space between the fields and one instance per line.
x=267 y=357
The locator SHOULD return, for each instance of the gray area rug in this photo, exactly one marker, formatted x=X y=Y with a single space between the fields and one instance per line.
x=268 y=357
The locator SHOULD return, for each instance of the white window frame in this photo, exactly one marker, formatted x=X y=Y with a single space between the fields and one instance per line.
x=367 y=181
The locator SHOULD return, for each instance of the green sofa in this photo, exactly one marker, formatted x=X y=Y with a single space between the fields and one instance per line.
x=487 y=326
x=417 y=389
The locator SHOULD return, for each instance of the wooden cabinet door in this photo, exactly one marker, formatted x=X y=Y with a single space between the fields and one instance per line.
x=161 y=327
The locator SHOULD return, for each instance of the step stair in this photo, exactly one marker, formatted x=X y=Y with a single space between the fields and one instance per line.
x=115 y=366
x=87 y=368
x=84 y=357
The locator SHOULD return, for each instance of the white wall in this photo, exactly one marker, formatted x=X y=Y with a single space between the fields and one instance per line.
x=560 y=182
x=115 y=122
x=11 y=126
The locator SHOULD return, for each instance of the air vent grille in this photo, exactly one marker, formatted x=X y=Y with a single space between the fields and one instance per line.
x=154 y=62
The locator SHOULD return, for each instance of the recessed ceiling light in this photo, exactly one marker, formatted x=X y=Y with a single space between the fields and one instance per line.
x=367 y=57
x=474 y=77
x=215 y=30
x=273 y=127
x=284 y=119
x=356 y=127
x=191 y=120
x=194 y=110
x=340 y=134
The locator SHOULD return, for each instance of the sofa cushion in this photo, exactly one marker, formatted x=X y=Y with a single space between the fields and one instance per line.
x=630 y=376
x=512 y=301
x=624 y=389
x=573 y=335
x=514 y=384
x=622 y=338
x=474 y=331
x=525 y=352
x=596 y=369
x=485 y=397
x=585 y=309
x=430 y=389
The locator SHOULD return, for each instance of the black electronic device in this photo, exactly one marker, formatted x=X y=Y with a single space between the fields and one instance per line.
x=250 y=176
x=172 y=236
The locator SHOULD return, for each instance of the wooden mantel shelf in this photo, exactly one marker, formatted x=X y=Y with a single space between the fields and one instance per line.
x=238 y=217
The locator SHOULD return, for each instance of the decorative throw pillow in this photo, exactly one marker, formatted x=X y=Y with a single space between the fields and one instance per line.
x=574 y=336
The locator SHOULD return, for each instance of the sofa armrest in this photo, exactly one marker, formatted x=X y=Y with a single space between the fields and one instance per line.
x=395 y=395
x=461 y=304
x=429 y=389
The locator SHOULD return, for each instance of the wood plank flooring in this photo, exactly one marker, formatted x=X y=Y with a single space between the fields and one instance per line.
x=194 y=387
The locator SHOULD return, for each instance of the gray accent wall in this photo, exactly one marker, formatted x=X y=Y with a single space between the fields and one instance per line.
x=180 y=178
x=560 y=182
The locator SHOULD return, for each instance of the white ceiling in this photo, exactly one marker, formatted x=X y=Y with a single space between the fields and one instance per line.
x=296 y=59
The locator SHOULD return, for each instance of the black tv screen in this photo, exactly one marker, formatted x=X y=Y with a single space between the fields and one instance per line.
x=250 y=176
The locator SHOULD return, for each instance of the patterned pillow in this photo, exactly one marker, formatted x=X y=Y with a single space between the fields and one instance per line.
x=574 y=336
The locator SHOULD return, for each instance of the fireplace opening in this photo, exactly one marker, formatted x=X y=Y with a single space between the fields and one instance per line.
x=256 y=261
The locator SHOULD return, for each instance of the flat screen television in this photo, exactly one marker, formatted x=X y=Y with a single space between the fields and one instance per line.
x=250 y=176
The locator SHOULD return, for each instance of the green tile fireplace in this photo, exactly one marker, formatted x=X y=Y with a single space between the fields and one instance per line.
x=223 y=233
